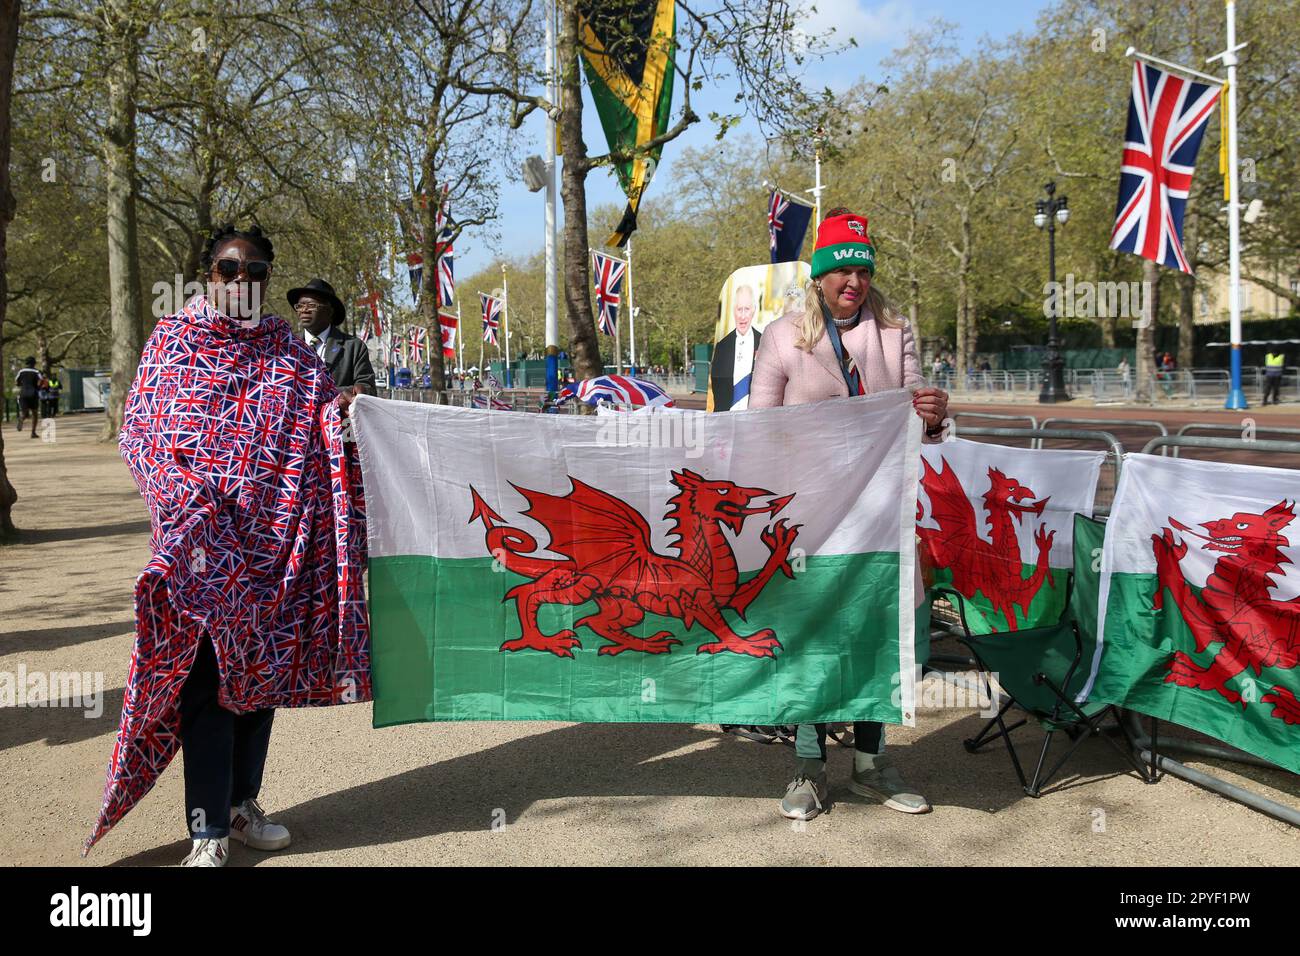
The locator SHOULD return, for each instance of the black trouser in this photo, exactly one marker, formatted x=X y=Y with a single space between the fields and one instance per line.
x=28 y=406
x=1273 y=386
x=224 y=752
x=868 y=736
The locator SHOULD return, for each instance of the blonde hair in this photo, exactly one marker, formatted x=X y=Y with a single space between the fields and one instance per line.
x=812 y=326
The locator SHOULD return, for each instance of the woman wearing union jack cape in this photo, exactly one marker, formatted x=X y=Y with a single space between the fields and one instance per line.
x=253 y=597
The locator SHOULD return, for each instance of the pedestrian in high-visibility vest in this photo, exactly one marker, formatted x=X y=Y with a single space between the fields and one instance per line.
x=1273 y=365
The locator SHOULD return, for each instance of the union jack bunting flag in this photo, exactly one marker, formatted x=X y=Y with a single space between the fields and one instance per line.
x=443 y=249
x=607 y=273
x=787 y=221
x=446 y=279
x=1167 y=116
x=416 y=337
x=370 y=303
x=397 y=353
x=491 y=317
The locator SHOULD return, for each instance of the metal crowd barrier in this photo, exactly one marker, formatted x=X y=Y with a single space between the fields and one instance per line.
x=1223 y=444
x=1211 y=426
x=1033 y=422
x=1125 y=422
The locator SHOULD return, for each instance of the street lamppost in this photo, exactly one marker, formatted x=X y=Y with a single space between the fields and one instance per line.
x=1048 y=212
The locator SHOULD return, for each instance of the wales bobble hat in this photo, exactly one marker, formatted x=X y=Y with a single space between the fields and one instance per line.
x=842 y=241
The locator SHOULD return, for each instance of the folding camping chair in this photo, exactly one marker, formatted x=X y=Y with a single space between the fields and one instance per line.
x=1042 y=669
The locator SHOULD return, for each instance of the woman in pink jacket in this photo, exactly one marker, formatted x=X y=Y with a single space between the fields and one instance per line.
x=849 y=340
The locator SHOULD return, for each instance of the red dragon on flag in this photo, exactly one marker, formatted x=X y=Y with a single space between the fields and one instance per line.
x=993 y=567
x=1234 y=609
x=607 y=557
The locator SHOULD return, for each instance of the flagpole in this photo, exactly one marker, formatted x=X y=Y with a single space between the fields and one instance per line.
x=505 y=317
x=1236 y=396
x=817 y=179
x=552 y=281
x=460 y=338
x=631 y=312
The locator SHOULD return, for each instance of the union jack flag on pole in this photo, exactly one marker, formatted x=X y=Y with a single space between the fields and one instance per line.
x=491 y=317
x=1167 y=116
x=607 y=273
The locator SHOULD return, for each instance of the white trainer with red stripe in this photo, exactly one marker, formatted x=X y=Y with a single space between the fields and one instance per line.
x=250 y=825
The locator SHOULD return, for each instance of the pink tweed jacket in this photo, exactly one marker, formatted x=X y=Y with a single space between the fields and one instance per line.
x=786 y=375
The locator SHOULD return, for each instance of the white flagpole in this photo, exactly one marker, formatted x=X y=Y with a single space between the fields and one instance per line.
x=505 y=316
x=1236 y=396
x=460 y=338
x=817 y=181
x=552 y=276
x=631 y=312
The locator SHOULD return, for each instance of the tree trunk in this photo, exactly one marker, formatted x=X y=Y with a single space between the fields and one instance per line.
x=1144 y=362
x=1187 y=297
x=1186 y=320
x=584 y=350
x=8 y=44
x=123 y=254
x=427 y=212
x=964 y=311
x=1108 y=331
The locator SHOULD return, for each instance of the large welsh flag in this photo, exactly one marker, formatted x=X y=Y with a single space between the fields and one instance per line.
x=997 y=526
x=753 y=567
x=1199 y=619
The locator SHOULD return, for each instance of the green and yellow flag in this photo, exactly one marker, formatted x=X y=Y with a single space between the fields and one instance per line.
x=627 y=51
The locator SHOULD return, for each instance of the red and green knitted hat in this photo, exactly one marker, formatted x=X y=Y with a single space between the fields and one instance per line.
x=842 y=241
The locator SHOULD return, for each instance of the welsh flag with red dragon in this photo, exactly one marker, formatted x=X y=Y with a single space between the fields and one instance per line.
x=749 y=568
x=1199 y=613
x=997 y=526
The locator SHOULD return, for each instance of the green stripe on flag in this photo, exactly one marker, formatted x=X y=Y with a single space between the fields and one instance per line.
x=1140 y=642
x=1045 y=608
x=437 y=626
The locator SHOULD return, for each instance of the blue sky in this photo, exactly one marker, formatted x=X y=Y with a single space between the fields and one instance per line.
x=878 y=28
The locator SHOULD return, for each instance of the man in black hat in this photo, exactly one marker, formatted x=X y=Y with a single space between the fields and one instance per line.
x=346 y=356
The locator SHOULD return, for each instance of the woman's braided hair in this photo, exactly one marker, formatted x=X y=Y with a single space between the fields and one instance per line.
x=226 y=232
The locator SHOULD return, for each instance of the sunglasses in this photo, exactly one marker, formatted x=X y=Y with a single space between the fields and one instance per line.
x=256 y=269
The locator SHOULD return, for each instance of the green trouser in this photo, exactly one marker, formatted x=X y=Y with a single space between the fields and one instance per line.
x=868 y=735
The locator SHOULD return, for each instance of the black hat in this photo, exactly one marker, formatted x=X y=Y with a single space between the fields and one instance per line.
x=323 y=290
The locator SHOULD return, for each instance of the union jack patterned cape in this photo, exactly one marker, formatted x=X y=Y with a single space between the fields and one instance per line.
x=607 y=272
x=1167 y=115
x=235 y=442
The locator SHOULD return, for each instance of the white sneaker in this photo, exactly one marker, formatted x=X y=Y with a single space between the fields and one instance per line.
x=208 y=852
x=250 y=826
